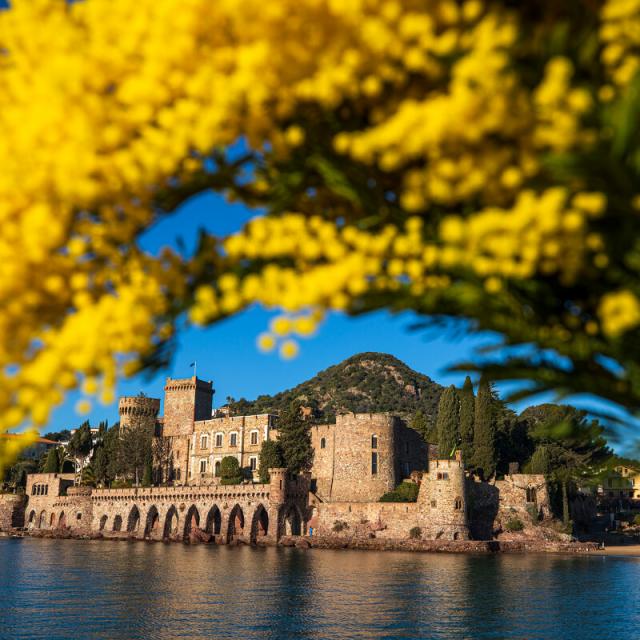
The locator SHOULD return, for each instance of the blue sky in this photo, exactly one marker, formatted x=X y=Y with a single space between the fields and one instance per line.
x=226 y=353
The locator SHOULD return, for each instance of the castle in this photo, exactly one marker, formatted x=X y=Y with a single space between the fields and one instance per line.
x=356 y=461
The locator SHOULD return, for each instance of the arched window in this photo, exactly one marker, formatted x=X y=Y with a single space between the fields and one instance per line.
x=323 y=443
x=457 y=504
x=374 y=442
x=217 y=469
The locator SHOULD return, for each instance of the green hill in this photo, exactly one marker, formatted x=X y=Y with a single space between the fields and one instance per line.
x=366 y=382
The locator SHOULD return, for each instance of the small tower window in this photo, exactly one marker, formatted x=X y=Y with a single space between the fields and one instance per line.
x=374 y=442
x=323 y=443
x=374 y=463
x=457 y=504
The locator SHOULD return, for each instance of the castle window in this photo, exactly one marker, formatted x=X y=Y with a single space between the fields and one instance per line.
x=434 y=504
x=442 y=475
x=374 y=463
x=531 y=494
x=457 y=504
x=178 y=474
x=233 y=440
x=218 y=439
x=217 y=469
x=204 y=441
x=253 y=463
x=323 y=443
x=203 y=465
x=254 y=437
x=374 y=442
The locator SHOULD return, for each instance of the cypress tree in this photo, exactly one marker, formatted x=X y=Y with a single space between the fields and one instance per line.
x=447 y=422
x=295 y=439
x=484 y=447
x=467 y=409
x=421 y=424
x=52 y=464
x=270 y=458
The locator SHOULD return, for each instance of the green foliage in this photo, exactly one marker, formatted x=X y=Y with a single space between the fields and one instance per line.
x=230 y=472
x=447 y=422
x=147 y=477
x=295 y=439
x=133 y=450
x=121 y=484
x=339 y=525
x=87 y=476
x=58 y=436
x=52 y=463
x=533 y=512
x=467 y=410
x=484 y=453
x=424 y=426
x=514 y=524
x=415 y=533
x=636 y=519
x=81 y=442
x=404 y=492
x=366 y=382
x=271 y=457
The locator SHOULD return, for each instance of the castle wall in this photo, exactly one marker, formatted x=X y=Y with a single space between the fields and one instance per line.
x=185 y=401
x=247 y=510
x=213 y=439
x=364 y=456
x=11 y=511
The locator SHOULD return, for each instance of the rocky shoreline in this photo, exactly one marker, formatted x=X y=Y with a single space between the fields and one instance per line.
x=346 y=542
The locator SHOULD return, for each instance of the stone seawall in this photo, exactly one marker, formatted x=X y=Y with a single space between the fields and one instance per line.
x=11 y=511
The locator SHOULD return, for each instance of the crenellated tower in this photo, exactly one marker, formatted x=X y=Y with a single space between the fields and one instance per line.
x=185 y=401
x=138 y=410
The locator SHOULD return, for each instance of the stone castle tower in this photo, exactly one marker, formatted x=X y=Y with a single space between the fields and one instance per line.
x=442 y=500
x=138 y=410
x=185 y=401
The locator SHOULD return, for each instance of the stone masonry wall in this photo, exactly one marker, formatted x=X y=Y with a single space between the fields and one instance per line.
x=185 y=400
x=11 y=511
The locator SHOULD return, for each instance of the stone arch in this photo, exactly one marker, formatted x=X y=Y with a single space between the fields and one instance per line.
x=152 y=523
x=32 y=517
x=117 y=523
x=456 y=536
x=133 y=521
x=290 y=520
x=42 y=520
x=259 y=523
x=103 y=522
x=171 y=523
x=52 y=520
x=62 y=520
x=214 y=521
x=191 y=521
x=235 y=526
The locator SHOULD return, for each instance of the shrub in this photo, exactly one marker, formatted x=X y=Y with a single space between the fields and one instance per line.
x=404 y=492
x=636 y=519
x=415 y=533
x=121 y=484
x=514 y=524
x=339 y=525
x=230 y=472
x=532 y=510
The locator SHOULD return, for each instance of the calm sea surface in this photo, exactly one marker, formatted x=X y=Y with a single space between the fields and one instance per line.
x=75 y=589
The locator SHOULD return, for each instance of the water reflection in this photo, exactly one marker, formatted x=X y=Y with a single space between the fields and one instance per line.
x=61 y=589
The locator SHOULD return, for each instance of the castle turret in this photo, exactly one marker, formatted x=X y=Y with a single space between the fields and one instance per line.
x=138 y=410
x=277 y=485
x=442 y=501
x=185 y=401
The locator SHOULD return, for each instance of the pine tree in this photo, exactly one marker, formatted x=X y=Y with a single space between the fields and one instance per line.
x=295 y=439
x=484 y=451
x=447 y=422
x=270 y=458
x=467 y=409
x=52 y=464
x=540 y=461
